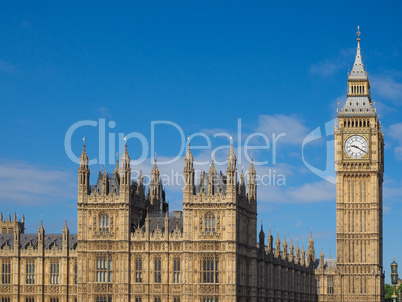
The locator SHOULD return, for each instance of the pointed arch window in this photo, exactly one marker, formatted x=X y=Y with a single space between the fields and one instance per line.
x=103 y=223
x=210 y=223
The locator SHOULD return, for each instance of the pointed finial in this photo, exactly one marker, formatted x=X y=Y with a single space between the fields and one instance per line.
x=358 y=33
x=83 y=145
x=188 y=141
x=155 y=158
x=125 y=143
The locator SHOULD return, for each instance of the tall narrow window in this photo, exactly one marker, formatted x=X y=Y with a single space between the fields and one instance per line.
x=54 y=273
x=54 y=299
x=138 y=299
x=330 y=288
x=103 y=223
x=176 y=299
x=209 y=299
x=157 y=299
x=29 y=299
x=138 y=270
x=210 y=223
x=176 y=269
x=103 y=299
x=5 y=299
x=104 y=267
x=6 y=272
x=30 y=273
x=318 y=286
x=158 y=277
x=210 y=270
x=76 y=273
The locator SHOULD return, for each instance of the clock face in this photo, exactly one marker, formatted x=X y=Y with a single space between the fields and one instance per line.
x=356 y=146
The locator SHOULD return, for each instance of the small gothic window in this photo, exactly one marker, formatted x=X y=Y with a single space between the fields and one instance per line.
x=210 y=223
x=103 y=223
x=330 y=288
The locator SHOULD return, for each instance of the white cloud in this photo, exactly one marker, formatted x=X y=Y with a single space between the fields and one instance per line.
x=328 y=67
x=387 y=87
x=395 y=132
x=321 y=191
x=25 y=184
x=292 y=126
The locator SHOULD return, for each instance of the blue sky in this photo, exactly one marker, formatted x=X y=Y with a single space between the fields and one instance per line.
x=279 y=67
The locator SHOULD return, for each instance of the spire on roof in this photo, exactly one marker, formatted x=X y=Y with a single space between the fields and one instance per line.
x=358 y=72
x=231 y=156
x=125 y=158
x=84 y=157
x=189 y=156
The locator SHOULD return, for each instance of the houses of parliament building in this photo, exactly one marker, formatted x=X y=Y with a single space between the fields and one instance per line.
x=129 y=248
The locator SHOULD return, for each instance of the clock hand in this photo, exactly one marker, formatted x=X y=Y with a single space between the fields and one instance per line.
x=358 y=148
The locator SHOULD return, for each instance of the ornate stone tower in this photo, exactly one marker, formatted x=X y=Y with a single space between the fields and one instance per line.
x=359 y=166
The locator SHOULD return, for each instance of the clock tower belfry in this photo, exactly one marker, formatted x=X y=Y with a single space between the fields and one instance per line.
x=359 y=166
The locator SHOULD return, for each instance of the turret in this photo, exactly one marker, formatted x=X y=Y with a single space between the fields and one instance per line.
x=277 y=246
x=297 y=253
x=242 y=186
x=41 y=235
x=270 y=242
x=16 y=237
x=155 y=185
x=284 y=248
x=66 y=233
x=251 y=183
x=322 y=259
x=231 y=172
x=116 y=175
x=83 y=173
x=211 y=178
x=125 y=172
x=311 y=250
x=188 y=172
x=140 y=187
x=303 y=256
x=262 y=240
x=291 y=251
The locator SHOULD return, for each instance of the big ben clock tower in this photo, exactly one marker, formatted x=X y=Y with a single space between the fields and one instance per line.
x=359 y=166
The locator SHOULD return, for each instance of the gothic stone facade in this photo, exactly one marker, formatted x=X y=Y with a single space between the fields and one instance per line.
x=357 y=273
x=128 y=248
